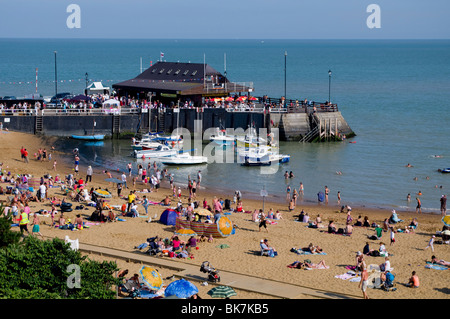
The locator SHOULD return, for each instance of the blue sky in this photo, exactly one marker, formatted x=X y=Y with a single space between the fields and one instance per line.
x=230 y=19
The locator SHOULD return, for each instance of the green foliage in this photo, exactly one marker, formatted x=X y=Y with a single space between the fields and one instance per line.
x=39 y=269
x=7 y=236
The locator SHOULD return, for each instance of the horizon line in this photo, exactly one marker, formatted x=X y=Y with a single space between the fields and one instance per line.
x=208 y=39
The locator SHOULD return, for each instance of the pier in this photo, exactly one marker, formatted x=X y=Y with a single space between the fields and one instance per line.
x=306 y=123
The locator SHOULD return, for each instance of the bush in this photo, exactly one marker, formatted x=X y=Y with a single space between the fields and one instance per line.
x=38 y=269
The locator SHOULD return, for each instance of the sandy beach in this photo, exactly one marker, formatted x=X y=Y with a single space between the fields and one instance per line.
x=407 y=254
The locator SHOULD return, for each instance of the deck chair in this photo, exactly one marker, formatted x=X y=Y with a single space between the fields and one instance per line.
x=264 y=250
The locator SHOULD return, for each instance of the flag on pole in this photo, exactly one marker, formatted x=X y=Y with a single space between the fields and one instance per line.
x=161 y=56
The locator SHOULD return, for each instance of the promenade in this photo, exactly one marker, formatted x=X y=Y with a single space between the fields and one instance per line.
x=235 y=280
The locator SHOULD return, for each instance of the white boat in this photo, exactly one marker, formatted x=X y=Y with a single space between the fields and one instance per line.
x=221 y=138
x=251 y=139
x=152 y=140
x=160 y=151
x=260 y=156
x=147 y=145
x=184 y=159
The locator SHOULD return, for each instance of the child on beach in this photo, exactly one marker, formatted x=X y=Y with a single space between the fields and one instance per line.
x=430 y=243
x=392 y=231
x=36 y=229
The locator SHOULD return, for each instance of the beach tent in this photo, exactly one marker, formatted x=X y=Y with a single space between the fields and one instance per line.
x=97 y=88
x=168 y=217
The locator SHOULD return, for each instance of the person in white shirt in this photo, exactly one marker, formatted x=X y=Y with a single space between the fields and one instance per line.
x=124 y=180
x=42 y=190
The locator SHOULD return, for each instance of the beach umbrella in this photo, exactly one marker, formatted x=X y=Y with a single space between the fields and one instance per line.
x=185 y=232
x=181 y=288
x=224 y=226
x=222 y=292
x=446 y=220
x=151 y=277
x=252 y=98
x=203 y=212
x=102 y=193
x=79 y=98
x=114 y=180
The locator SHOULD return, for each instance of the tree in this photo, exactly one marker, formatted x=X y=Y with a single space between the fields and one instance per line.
x=7 y=236
x=40 y=269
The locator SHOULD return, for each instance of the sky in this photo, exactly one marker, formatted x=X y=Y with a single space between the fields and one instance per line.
x=230 y=19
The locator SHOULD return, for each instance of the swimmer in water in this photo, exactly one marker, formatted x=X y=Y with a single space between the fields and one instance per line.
x=409 y=165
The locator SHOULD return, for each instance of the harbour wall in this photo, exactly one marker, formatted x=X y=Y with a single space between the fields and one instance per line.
x=292 y=126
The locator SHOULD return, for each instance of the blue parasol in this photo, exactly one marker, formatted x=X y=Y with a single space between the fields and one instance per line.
x=181 y=289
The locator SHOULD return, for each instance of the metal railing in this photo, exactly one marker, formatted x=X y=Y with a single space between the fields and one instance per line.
x=64 y=112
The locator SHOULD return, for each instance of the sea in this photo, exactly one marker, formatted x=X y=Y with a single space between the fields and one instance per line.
x=394 y=94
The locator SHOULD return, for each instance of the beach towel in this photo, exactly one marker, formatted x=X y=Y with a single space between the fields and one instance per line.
x=302 y=252
x=435 y=266
x=350 y=267
x=346 y=276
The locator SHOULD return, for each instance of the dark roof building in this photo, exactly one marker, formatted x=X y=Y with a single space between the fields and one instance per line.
x=182 y=81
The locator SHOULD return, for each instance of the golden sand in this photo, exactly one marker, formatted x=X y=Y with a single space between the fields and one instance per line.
x=407 y=253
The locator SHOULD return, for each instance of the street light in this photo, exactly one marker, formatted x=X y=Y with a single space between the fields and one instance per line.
x=285 y=57
x=329 y=86
x=87 y=79
x=56 y=76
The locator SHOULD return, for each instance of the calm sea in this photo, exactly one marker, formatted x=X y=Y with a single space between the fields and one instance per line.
x=394 y=94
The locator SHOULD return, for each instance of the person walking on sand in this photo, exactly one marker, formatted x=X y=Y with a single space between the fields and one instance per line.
x=430 y=243
x=54 y=165
x=25 y=154
x=443 y=204
x=89 y=174
x=363 y=284
x=392 y=231
x=36 y=228
x=262 y=221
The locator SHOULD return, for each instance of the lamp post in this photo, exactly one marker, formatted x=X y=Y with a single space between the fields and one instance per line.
x=56 y=76
x=329 y=86
x=285 y=58
x=87 y=80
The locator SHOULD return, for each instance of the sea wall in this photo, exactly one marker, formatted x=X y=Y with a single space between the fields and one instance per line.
x=292 y=126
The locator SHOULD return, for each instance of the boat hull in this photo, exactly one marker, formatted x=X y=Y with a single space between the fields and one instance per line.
x=181 y=160
x=89 y=137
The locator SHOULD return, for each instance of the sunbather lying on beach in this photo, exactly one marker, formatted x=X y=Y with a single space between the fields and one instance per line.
x=305 y=265
x=313 y=249
x=442 y=262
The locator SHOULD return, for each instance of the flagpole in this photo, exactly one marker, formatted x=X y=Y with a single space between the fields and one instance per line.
x=36 y=80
